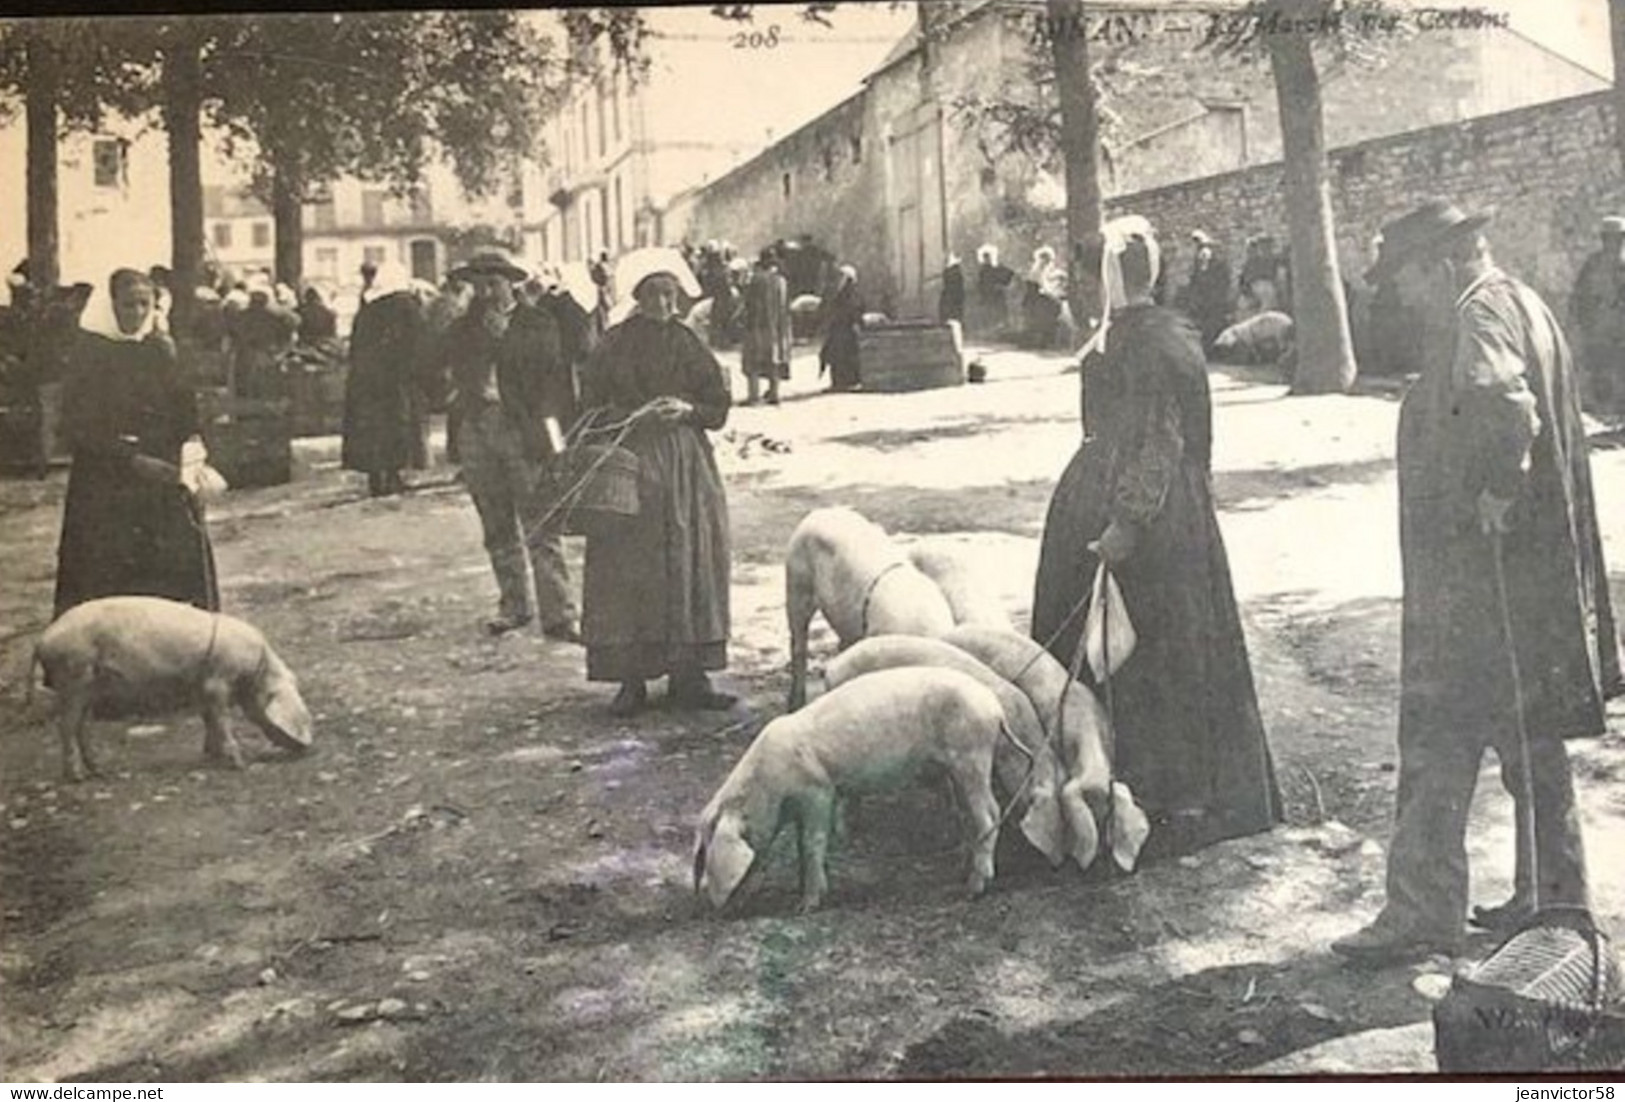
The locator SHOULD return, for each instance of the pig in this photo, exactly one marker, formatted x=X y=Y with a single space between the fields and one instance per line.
x=1260 y=340
x=123 y=649
x=969 y=597
x=1078 y=727
x=873 y=733
x=843 y=565
x=1030 y=774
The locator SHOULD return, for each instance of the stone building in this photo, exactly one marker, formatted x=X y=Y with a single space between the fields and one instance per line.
x=624 y=154
x=904 y=171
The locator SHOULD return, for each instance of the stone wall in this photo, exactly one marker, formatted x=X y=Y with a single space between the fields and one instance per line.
x=1550 y=167
x=1550 y=171
x=836 y=192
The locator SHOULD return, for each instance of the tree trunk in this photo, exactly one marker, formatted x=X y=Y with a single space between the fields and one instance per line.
x=1319 y=311
x=183 y=104
x=1616 y=25
x=1080 y=151
x=287 y=209
x=44 y=80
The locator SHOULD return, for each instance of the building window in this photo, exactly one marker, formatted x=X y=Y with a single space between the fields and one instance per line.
x=107 y=159
x=323 y=214
x=829 y=163
x=372 y=207
x=262 y=235
x=616 y=91
x=857 y=149
x=620 y=218
x=327 y=265
x=603 y=135
x=374 y=255
x=222 y=235
x=422 y=209
x=586 y=131
x=785 y=184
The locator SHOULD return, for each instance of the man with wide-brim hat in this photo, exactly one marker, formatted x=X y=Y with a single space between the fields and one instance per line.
x=489 y=262
x=1597 y=314
x=510 y=375
x=1508 y=636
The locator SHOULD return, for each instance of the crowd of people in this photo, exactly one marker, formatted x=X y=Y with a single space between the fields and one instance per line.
x=794 y=288
x=1508 y=638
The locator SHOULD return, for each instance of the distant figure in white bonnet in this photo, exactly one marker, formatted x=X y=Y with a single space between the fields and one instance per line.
x=385 y=408
x=842 y=318
x=260 y=334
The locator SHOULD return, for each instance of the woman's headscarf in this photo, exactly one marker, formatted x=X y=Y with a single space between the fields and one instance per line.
x=100 y=318
x=1114 y=296
x=391 y=277
x=639 y=264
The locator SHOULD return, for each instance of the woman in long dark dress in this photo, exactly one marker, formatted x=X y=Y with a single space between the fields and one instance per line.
x=385 y=408
x=655 y=589
x=843 y=316
x=129 y=527
x=1138 y=493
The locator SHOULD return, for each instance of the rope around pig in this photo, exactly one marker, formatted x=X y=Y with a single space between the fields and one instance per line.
x=1051 y=739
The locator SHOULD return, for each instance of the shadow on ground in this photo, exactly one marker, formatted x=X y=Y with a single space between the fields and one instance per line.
x=1219 y=1021
x=1259 y=488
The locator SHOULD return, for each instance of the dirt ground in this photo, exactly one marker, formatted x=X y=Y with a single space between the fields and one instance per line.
x=477 y=874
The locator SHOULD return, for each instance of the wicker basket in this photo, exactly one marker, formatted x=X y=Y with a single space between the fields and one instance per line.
x=590 y=487
x=1547 y=999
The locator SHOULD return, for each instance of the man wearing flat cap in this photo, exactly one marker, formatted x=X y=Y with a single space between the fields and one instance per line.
x=1597 y=311
x=509 y=374
x=1508 y=635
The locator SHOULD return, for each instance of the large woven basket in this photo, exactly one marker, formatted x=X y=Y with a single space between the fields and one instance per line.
x=591 y=487
x=1547 y=999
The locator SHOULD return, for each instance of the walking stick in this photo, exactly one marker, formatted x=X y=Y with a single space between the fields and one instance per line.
x=1526 y=829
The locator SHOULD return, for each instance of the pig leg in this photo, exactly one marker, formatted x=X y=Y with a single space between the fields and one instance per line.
x=976 y=796
x=219 y=745
x=71 y=725
x=800 y=602
x=815 y=816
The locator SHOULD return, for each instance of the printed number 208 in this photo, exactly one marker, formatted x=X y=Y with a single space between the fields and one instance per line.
x=757 y=40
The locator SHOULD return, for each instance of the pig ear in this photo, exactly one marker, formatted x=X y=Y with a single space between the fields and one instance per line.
x=1081 y=818
x=727 y=858
x=1044 y=826
x=1130 y=827
x=287 y=720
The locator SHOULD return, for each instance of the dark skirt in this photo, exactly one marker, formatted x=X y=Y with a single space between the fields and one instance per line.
x=1190 y=741
x=840 y=354
x=127 y=538
x=655 y=586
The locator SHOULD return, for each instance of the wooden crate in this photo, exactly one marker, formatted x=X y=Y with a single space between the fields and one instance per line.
x=318 y=401
x=30 y=431
x=250 y=441
x=918 y=356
